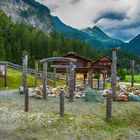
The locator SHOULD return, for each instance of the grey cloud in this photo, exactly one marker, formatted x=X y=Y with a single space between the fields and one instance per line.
x=120 y=34
x=111 y=15
x=53 y=7
x=75 y=1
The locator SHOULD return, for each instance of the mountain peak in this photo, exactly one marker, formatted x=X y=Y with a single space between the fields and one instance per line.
x=95 y=32
x=135 y=39
x=29 y=12
x=96 y=28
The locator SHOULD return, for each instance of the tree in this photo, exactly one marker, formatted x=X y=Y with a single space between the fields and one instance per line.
x=121 y=74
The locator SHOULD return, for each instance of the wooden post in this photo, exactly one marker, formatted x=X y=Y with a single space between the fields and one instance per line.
x=5 y=76
x=132 y=73
x=90 y=81
x=67 y=79
x=114 y=73
x=71 y=82
x=85 y=76
x=104 y=76
x=61 y=103
x=74 y=80
x=108 y=107
x=54 y=78
x=44 y=80
x=24 y=73
x=98 y=80
x=36 y=73
x=26 y=100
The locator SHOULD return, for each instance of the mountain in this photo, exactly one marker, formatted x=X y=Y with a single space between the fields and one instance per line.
x=133 y=45
x=95 y=42
x=16 y=38
x=38 y=15
x=29 y=12
x=97 y=34
x=68 y=31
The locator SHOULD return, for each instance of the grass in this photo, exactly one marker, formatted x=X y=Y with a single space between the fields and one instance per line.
x=14 y=80
x=136 y=78
x=82 y=120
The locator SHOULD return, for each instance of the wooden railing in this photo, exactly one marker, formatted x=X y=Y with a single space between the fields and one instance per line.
x=29 y=71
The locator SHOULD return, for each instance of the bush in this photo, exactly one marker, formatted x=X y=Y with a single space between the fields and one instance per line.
x=121 y=74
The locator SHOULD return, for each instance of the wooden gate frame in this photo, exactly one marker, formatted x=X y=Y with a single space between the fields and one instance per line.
x=57 y=59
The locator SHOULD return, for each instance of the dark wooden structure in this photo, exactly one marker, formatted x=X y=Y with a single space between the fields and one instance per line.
x=104 y=62
x=3 y=72
x=82 y=66
x=87 y=68
x=81 y=62
x=102 y=66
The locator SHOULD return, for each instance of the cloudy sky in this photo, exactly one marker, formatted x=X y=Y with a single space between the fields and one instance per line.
x=118 y=18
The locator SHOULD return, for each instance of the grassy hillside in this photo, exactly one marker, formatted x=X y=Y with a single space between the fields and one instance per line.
x=14 y=80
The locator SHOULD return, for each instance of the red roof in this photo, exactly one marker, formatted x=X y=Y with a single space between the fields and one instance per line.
x=74 y=54
x=102 y=59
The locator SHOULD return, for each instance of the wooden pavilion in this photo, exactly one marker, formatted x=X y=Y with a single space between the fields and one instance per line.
x=104 y=62
x=82 y=65
x=87 y=67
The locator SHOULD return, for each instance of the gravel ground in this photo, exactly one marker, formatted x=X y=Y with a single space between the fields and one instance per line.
x=82 y=120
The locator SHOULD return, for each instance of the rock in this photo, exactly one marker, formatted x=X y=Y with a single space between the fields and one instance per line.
x=133 y=97
x=38 y=93
x=93 y=95
x=21 y=89
x=122 y=97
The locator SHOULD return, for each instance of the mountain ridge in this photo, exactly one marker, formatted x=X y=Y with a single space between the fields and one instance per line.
x=38 y=15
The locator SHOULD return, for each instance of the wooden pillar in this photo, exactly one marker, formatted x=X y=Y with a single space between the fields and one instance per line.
x=132 y=72
x=24 y=73
x=91 y=80
x=71 y=82
x=108 y=106
x=89 y=77
x=104 y=76
x=44 y=80
x=67 y=78
x=74 y=80
x=5 y=76
x=54 y=78
x=85 y=76
x=98 y=80
x=61 y=103
x=26 y=100
x=36 y=73
x=114 y=73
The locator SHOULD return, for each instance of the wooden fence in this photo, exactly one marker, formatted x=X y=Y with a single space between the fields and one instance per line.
x=29 y=70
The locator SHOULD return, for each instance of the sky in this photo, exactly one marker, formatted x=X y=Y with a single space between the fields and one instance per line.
x=117 y=18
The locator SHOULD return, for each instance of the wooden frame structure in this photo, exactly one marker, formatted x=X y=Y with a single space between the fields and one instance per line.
x=3 y=72
x=71 y=67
